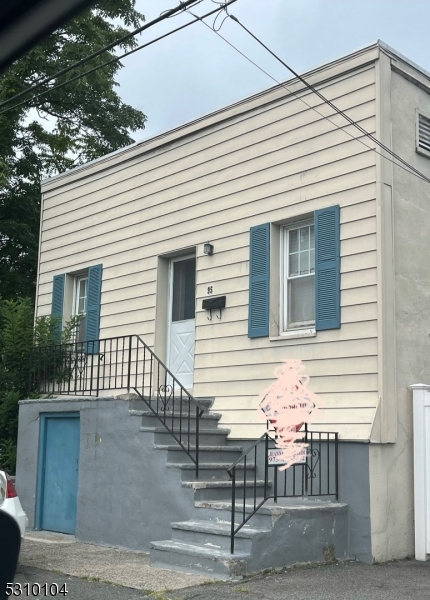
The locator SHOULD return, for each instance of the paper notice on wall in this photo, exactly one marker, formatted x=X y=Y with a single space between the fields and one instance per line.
x=276 y=456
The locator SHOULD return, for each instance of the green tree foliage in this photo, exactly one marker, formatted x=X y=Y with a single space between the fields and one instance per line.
x=17 y=336
x=48 y=135
x=16 y=333
x=62 y=129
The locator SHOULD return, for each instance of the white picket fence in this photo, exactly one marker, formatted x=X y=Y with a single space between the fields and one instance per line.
x=421 y=411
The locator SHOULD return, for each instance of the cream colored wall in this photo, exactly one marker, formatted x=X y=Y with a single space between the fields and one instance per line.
x=270 y=158
x=391 y=465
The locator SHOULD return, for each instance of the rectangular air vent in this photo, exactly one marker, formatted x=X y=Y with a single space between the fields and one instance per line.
x=423 y=135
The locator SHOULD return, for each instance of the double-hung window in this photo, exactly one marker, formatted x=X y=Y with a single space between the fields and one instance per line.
x=298 y=285
x=306 y=278
x=79 y=294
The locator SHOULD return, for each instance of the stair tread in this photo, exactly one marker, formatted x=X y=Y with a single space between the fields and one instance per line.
x=148 y=413
x=218 y=527
x=192 y=466
x=199 y=485
x=198 y=550
x=201 y=448
x=284 y=505
x=217 y=431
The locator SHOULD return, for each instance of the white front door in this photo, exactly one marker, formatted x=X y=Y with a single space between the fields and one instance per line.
x=182 y=319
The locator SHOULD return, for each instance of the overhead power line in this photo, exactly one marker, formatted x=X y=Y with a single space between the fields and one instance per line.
x=114 y=59
x=400 y=162
x=333 y=106
x=165 y=15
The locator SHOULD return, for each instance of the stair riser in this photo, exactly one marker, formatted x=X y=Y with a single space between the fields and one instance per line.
x=196 y=564
x=217 y=542
x=211 y=514
x=223 y=494
x=206 y=439
x=184 y=423
x=206 y=456
x=210 y=475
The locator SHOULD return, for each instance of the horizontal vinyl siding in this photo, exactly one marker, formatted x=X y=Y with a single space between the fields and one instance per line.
x=280 y=161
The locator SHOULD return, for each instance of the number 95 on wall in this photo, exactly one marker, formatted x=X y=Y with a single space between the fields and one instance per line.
x=36 y=589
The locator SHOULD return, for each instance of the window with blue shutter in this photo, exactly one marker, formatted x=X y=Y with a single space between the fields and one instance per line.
x=259 y=266
x=327 y=268
x=57 y=303
x=92 y=324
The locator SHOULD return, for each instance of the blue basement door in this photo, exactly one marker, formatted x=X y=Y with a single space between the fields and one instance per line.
x=60 y=474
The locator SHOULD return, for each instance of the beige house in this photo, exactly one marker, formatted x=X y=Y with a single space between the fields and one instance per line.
x=315 y=237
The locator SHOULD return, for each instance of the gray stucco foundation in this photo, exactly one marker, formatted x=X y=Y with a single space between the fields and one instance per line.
x=128 y=496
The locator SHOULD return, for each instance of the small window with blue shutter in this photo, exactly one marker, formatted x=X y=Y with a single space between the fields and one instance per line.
x=86 y=290
x=259 y=272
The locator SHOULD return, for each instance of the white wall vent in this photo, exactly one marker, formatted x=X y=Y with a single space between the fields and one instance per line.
x=423 y=135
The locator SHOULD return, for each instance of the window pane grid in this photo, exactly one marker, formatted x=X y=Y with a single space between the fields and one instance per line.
x=301 y=251
x=299 y=279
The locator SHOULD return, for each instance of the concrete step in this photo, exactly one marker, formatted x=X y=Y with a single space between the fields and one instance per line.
x=211 y=471
x=179 y=556
x=207 y=454
x=137 y=403
x=220 y=510
x=222 y=490
x=217 y=534
x=208 y=437
x=176 y=419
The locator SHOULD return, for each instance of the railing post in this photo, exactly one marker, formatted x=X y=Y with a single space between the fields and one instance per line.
x=266 y=465
x=197 y=439
x=233 y=510
x=336 y=459
x=129 y=363
x=30 y=367
x=98 y=371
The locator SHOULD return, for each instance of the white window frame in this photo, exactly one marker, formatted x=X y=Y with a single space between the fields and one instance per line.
x=75 y=305
x=286 y=328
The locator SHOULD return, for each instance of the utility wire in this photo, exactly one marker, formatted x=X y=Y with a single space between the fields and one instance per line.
x=405 y=166
x=334 y=107
x=180 y=8
x=114 y=59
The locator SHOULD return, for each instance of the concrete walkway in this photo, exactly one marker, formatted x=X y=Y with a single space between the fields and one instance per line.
x=61 y=553
x=98 y=566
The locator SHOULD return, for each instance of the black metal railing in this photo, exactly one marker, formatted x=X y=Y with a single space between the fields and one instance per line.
x=124 y=363
x=316 y=476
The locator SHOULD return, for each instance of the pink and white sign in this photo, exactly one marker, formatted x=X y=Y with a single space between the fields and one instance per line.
x=287 y=404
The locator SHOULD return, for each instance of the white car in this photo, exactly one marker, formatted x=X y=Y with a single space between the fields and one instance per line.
x=9 y=501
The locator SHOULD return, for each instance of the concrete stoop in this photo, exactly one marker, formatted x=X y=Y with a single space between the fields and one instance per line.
x=278 y=535
x=291 y=531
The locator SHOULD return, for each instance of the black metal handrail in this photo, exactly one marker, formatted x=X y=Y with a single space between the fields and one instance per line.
x=119 y=363
x=316 y=476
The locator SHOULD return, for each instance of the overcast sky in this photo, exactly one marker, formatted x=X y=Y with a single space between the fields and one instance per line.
x=194 y=72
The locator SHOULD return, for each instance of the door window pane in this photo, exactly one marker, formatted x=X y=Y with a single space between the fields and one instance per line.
x=184 y=290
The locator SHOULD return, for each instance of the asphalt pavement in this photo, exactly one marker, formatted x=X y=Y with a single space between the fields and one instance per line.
x=93 y=572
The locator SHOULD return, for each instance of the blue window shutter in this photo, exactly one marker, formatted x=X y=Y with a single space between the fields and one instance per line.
x=57 y=303
x=259 y=266
x=93 y=307
x=327 y=268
